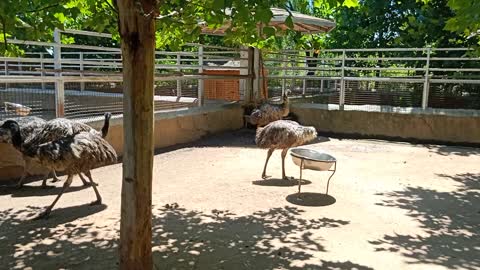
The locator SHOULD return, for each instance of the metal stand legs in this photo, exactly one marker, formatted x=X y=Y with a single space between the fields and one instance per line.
x=328 y=182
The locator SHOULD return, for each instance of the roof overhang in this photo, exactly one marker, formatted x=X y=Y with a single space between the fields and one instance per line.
x=305 y=24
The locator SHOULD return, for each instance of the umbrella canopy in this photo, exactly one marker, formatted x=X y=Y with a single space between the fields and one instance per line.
x=302 y=23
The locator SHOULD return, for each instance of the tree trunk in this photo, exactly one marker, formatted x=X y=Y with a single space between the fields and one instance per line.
x=137 y=32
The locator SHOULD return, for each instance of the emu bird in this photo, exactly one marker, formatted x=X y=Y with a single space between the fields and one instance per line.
x=72 y=154
x=28 y=127
x=282 y=134
x=39 y=132
x=268 y=112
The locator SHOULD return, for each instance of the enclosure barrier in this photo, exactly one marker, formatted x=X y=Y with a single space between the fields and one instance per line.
x=369 y=79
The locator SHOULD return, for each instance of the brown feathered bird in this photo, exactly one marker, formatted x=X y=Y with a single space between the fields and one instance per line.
x=282 y=134
x=59 y=128
x=269 y=112
x=72 y=154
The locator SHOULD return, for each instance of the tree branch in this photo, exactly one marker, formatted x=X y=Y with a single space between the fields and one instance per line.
x=42 y=8
x=110 y=5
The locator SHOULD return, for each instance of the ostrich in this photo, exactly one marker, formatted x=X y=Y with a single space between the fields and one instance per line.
x=268 y=113
x=282 y=134
x=72 y=154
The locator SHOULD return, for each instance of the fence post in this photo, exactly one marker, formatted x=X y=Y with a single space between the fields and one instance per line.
x=284 y=73
x=179 y=82
x=304 y=82
x=42 y=67
x=257 y=76
x=6 y=73
x=59 y=83
x=82 y=83
x=426 y=84
x=341 y=102
x=246 y=63
x=201 y=84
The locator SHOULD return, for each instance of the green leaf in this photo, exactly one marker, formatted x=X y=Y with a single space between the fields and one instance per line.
x=218 y=4
x=269 y=31
x=289 y=22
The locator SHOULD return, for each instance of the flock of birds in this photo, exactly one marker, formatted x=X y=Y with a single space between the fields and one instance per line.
x=274 y=133
x=63 y=145
x=60 y=145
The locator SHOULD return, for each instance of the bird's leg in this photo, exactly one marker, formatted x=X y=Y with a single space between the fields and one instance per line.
x=55 y=177
x=44 y=182
x=99 y=198
x=264 y=174
x=24 y=174
x=284 y=153
x=85 y=182
x=22 y=178
x=46 y=213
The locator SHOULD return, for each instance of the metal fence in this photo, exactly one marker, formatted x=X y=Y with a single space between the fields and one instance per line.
x=79 y=81
x=368 y=79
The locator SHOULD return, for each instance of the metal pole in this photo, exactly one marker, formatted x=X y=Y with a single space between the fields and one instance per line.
x=6 y=73
x=304 y=86
x=284 y=72
x=82 y=84
x=42 y=67
x=201 y=84
x=341 y=102
x=256 y=72
x=179 y=82
x=426 y=84
x=59 y=84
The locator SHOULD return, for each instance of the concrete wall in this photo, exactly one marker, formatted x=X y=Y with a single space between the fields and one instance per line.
x=425 y=126
x=170 y=128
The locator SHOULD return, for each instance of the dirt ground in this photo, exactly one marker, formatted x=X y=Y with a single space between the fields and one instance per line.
x=390 y=206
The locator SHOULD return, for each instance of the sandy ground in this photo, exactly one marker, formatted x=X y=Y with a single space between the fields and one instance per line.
x=391 y=206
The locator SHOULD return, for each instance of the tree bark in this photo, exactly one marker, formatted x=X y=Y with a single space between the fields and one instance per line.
x=137 y=32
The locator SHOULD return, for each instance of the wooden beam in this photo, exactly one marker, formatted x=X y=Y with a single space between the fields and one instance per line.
x=137 y=32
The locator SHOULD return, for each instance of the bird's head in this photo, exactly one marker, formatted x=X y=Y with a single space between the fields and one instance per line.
x=309 y=134
x=10 y=133
x=255 y=116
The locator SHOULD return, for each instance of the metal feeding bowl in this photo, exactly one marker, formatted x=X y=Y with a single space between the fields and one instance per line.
x=313 y=160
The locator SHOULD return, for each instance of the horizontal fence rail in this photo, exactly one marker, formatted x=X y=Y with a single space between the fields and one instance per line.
x=364 y=79
x=52 y=79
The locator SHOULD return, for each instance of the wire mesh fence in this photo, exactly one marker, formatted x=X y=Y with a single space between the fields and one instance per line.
x=27 y=98
x=368 y=79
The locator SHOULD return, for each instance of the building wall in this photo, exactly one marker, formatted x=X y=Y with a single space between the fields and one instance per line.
x=171 y=128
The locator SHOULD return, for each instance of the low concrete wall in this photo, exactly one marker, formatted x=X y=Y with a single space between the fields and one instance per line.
x=412 y=126
x=171 y=128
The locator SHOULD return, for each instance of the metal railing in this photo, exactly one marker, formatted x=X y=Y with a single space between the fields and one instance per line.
x=79 y=81
x=365 y=79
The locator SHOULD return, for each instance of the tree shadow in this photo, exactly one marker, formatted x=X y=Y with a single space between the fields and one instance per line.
x=449 y=222
x=446 y=150
x=182 y=239
x=37 y=191
x=276 y=182
x=221 y=240
x=311 y=199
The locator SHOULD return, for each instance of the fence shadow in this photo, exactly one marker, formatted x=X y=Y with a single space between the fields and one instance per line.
x=446 y=150
x=449 y=223
x=182 y=238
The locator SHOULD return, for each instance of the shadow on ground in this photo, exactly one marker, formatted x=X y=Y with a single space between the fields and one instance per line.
x=449 y=220
x=445 y=150
x=182 y=239
x=244 y=138
x=276 y=182
x=311 y=199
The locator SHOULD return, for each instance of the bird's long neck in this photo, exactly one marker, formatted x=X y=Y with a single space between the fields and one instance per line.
x=17 y=139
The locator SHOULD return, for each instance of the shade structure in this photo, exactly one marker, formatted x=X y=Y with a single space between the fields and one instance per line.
x=302 y=23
